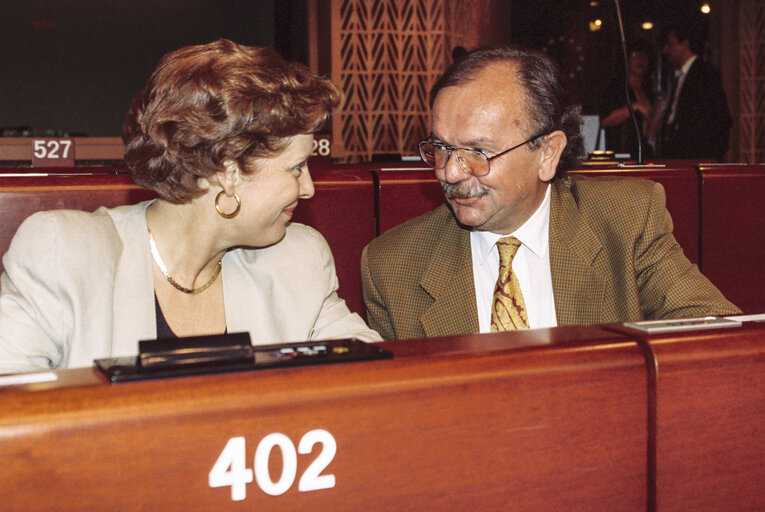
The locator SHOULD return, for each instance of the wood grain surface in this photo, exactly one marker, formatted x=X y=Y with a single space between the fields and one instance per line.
x=553 y=419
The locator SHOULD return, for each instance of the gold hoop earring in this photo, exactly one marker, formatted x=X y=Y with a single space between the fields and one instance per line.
x=221 y=212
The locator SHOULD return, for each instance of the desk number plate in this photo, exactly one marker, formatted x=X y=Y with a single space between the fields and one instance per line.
x=52 y=152
x=230 y=470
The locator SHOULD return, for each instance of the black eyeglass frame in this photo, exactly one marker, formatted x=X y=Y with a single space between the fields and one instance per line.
x=450 y=149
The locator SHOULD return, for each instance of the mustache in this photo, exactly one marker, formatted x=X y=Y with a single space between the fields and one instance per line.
x=463 y=190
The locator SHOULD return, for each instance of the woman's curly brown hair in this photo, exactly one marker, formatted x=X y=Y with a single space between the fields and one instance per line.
x=209 y=103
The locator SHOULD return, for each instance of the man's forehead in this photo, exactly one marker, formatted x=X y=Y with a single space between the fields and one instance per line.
x=494 y=80
x=499 y=76
x=491 y=97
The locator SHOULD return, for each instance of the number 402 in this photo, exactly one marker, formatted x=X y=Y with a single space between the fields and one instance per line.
x=231 y=468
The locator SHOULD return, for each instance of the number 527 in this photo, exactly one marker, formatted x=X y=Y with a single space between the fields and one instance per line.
x=52 y=149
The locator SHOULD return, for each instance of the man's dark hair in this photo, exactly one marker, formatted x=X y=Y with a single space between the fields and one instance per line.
x=458 y=52
x=690 y=31
x=544 y=100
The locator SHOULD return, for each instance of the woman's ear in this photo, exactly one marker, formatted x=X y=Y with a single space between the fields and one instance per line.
x=552 y=148
x=229 y=176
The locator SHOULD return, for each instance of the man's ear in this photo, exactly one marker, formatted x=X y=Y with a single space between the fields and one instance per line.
x=229 y=176
x=551 y=150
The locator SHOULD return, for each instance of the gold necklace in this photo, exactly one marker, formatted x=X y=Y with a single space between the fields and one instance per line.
x=163 y=268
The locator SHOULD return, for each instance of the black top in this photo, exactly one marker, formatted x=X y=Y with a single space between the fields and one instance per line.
x=622 y=138
x=163 y=330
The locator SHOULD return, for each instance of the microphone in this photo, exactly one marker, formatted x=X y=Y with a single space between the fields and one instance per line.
x=623 y=42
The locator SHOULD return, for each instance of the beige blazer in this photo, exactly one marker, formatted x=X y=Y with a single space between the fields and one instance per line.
x=613 y=258
x=79 y=286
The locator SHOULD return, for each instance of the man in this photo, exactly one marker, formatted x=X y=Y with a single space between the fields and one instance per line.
x=591 y=250
x=696 y=120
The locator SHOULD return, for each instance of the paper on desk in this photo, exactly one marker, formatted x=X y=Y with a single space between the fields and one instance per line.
x=27 y=378
x=747 y=318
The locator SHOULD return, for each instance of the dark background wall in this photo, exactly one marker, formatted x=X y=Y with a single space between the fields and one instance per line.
x=73 y=66
x=591 y=59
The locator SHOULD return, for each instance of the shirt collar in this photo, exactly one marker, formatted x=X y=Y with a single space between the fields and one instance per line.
x=534 y=233
x=687 y=65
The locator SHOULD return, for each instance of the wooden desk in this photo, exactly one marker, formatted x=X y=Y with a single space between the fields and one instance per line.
x=733 y=223
x=709 y=416
x=552 y=419
x=406 y=194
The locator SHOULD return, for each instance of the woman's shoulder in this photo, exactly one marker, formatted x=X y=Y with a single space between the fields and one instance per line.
x=62 y=243
x=302 y=236
x=65 y=224
x=75 y=232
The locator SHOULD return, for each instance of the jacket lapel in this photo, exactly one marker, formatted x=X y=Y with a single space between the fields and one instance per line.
x=448 y=279
x=133 y=314
x=577 y=260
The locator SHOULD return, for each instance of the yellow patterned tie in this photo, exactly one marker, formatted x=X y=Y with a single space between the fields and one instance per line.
x=508 y=311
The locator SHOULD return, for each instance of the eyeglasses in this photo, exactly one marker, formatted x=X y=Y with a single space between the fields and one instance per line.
x=473 y=161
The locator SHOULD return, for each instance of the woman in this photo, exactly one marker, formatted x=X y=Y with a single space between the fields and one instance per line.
x=222 y=133
x=615 y=113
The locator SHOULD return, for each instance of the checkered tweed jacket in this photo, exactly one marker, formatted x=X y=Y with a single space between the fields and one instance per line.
x=613 y=258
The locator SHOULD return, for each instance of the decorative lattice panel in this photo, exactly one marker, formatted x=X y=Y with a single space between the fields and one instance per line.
x=386 y=55
x=752 y=85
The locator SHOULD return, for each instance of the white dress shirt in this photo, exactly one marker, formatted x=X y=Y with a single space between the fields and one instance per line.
x=531 y=265
x=680 y=75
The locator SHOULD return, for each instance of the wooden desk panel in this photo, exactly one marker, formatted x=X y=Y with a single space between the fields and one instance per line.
x=710 y=440
x=87 y=148
x=343 y=210
x=404 y=195
x=538 y=420
x=374 y=166
x=710 y=417
x=733 y=229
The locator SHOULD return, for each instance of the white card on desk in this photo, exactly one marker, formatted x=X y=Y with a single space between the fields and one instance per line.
x=748 y=318
x=682 y=324
x=27 y=378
